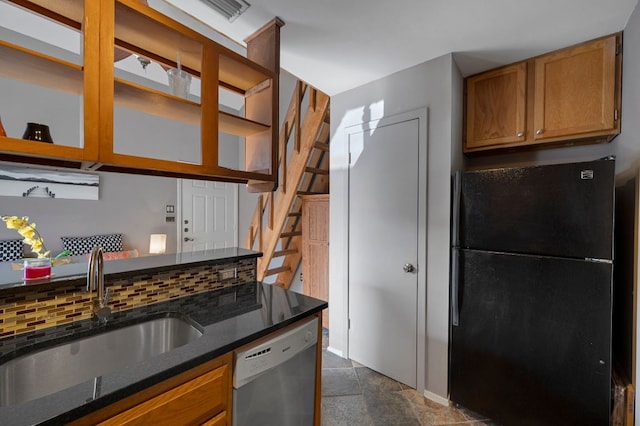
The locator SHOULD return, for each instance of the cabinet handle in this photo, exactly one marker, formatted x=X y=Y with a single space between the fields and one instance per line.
x=520 y=134
x=187 y=239
x=539 y=132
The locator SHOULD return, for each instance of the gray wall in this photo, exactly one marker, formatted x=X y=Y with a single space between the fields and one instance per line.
x=427 y=85
x=128 y=204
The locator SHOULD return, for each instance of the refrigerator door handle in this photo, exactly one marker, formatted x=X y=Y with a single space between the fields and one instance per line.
x=455 y=308
x=455 y=208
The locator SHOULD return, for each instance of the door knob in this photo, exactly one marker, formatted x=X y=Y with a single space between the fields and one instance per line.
x=187 y=239
x=408 y=268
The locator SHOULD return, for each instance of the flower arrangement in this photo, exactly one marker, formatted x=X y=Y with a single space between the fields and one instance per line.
x=33 y=238
x=29 y=233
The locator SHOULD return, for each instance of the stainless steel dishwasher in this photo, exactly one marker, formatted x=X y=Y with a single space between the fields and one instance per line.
x=274 y=382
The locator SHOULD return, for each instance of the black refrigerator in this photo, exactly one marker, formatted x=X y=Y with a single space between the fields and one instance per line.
x=531 y=293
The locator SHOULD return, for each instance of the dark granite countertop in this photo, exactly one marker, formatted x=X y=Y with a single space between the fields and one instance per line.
x=229 y=318
x=113 y=269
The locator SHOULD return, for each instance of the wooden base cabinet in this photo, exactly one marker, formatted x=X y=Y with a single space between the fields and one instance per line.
x=315 y=249
x=201 y=396
x=570 y=96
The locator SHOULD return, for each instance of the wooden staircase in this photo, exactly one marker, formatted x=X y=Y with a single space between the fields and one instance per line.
x=303 y=164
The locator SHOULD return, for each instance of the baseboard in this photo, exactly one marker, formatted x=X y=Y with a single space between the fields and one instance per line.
x=335 y=352
x=437 y=398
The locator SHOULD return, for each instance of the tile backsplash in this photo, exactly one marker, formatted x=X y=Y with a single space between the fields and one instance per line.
x=26 y=309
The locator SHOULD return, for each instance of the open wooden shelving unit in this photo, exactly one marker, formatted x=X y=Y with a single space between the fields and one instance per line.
x=134 y=27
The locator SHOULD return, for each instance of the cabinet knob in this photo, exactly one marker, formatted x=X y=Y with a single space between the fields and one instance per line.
x=539 y=132
x=520 y=134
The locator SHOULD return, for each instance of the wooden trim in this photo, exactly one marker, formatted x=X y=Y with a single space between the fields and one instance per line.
x=209 y=100
x=317 y=421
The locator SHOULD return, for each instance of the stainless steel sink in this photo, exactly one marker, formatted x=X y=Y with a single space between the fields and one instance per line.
x=52 y=369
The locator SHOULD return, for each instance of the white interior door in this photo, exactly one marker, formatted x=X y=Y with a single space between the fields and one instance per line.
x=383 y=238
x=209 y=215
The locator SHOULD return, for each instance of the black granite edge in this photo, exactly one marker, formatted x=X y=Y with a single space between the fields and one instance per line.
x=174 y=267
x=79 y=278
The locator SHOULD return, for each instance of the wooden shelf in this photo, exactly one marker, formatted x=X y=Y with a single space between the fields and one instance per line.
x=239 y=126
x=69 y=12
x=245 y=175
x=140 y=98
x=40 y=149
x=156 y=39
x=35 y=68
x=237 y=73
x=134 y=96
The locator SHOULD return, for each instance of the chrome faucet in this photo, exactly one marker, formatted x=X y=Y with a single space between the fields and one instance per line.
x=95 y=281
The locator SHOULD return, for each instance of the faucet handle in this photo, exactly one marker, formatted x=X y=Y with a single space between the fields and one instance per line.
x=107 y=296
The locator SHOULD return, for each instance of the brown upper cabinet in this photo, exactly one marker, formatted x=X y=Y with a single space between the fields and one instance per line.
x=564 y=97
x=130 y=120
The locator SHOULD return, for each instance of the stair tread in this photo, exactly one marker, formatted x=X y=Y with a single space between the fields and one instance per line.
x=316 y=171
x=310 y=193
x=290 y=234
x=281 y=253
x=321 y=146
x=274 y=271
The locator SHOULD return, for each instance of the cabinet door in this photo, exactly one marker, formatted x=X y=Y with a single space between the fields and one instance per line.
x=496 y=107
x=219 y=420
x=315 y=249
x=188 y=404
x=575 y=91
x=49 y=74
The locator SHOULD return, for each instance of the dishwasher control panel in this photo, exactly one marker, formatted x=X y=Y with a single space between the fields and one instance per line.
x=267 y=355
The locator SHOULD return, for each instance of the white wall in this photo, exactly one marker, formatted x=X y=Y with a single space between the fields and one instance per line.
x=427 y=85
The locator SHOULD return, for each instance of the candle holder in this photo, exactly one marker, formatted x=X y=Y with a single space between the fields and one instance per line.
x=37 y=268
x=37 y=132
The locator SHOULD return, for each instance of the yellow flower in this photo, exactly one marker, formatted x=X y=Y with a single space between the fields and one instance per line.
x=13 y=222
x=29 y=232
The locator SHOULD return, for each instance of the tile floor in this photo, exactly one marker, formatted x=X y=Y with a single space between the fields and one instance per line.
x=354 y=395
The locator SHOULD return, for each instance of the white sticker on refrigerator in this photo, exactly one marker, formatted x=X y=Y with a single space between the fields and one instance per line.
x=586 y=174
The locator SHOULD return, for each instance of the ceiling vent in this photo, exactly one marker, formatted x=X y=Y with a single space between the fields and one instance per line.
x=230 y=9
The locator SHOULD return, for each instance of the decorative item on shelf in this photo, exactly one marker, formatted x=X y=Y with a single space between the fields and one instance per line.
x=2 y=131
x=179 y=81
x=37 y=132
x=36 y=267
x=157 y=243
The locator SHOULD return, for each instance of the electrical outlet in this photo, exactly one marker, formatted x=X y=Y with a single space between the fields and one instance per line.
x=228 y=274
